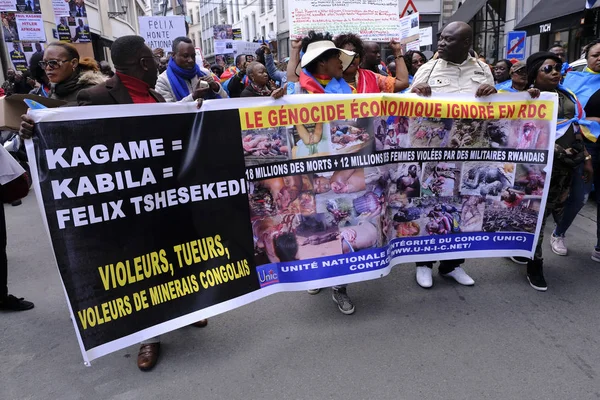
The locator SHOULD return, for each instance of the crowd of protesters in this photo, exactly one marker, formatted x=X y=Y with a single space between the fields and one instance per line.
x=343 y=65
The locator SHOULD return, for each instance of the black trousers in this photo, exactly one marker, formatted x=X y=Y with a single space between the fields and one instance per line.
x=3 y=260
x=446 y=266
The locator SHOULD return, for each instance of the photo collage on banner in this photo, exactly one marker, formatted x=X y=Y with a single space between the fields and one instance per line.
x=450 y=197
x=22 y=30
x=71 y=21
x=466 y=179
x=319 y=214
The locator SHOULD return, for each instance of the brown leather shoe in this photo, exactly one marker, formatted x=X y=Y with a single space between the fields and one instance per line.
x=148 y=356
x=201 y=324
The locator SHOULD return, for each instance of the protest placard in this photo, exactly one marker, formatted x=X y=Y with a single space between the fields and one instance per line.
x=222 y=32
x=31 y=27
x=159 y=32
x=371 y=19
x=161 y=215
x=61 y=8
x=8 y=5
x=409 y=28
x=224 y=46
x=426 y=36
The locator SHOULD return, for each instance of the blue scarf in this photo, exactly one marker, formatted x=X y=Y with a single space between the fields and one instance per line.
x=335 y=86
x=590 y=129
x=178 y=77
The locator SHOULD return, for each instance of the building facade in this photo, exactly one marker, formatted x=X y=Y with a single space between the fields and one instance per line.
x=546 y=23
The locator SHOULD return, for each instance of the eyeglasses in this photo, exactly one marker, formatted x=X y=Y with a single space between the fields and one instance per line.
x=547 y=69
x=520 y=72
x=53 y=64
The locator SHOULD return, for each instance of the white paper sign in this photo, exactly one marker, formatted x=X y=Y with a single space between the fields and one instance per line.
x=159 y=32
x=8 y=5
x=60 y=7
x=243 y=47
x=236 y=47
x=409 y=28
x=31 y=27
x=426 y=36
x=414 y=45
x=224 y=46
x=371 y=19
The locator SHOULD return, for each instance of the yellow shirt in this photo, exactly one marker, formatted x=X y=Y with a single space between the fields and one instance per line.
x=447 y=77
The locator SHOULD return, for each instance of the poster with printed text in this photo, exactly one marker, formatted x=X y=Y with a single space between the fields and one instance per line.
x=223 y=32
x=10 y=31
x=31 y=27
x=8 y=5
x=29 y=6
x=17 y=57
x=159 y=32
x=61 y=8
x=375 y=20
x=161 y=215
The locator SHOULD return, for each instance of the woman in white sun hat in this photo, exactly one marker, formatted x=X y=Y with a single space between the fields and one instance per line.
x=322 y=66
x=320 y=70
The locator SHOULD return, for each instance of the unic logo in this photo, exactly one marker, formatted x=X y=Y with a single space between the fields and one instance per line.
x=267 y=275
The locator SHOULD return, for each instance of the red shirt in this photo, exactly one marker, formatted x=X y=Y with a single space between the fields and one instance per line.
x=137 y=89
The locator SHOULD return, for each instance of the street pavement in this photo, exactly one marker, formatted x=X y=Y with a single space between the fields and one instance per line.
x=497 y=340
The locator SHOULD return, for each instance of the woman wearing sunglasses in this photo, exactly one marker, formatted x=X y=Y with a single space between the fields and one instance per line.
x=544 y=73
x=67 y=73
x=586 y=86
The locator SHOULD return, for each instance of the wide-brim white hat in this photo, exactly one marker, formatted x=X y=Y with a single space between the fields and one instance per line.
x=315 y=49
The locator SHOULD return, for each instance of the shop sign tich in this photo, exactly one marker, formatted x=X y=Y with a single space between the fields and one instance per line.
x=545 y=28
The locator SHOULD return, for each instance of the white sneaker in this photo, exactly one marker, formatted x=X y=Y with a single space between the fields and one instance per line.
x=424 y=278
x=596 y=255
x=313 y=291
x=460 y=276
x=558 y=245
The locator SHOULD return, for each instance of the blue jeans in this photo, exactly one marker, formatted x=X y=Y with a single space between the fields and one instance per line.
x=579 y=194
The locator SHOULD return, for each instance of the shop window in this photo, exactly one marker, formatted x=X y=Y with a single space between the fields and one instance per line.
x=488 y=28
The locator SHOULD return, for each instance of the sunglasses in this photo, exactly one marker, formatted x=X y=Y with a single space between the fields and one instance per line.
x=547 y=69
x=53 y=64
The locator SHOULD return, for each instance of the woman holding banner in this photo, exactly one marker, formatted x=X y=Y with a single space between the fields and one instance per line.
x=570 y=154
x=366 y=81
x=586 y=86
x=321 y=68
x=317 y=66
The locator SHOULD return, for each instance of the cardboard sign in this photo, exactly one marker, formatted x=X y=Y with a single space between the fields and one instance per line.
x=159 y=32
